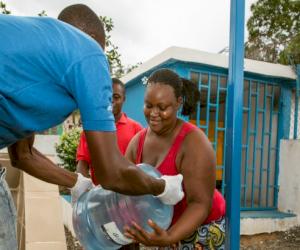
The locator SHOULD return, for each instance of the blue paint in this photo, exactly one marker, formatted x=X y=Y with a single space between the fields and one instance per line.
x=182 y=72
x=297 y=101
x=216 y=130
x=283 y=131
x=284 y=112
x=199 y=106
x=225 y=140
x=135 y=95
x=248 y=109
x=208 y=105
x=262 y=145
x=254 y=94
x=266 y=189
x=234 y=124
x=134 y=103
x=269 y=145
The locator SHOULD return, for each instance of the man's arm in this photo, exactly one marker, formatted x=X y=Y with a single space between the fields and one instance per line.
x=116 y=173
x=25 y=157
x=93 y=93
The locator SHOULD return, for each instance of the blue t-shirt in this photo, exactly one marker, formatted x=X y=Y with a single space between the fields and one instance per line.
x=47 y=70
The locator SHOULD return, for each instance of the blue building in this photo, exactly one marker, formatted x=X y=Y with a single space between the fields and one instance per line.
x=268 y=114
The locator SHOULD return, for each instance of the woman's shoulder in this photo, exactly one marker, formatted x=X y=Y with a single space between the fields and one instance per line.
x=189 y=128
x=189 y=125
x=195 y=136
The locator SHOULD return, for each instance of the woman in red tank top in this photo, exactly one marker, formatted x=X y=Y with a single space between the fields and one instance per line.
x=174 y=146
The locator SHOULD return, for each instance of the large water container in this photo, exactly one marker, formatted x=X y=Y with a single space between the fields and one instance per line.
x=99 y=215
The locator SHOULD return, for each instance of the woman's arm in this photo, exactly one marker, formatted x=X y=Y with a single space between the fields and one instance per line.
x=196 y=161
x=131 y=150
x=198 y=167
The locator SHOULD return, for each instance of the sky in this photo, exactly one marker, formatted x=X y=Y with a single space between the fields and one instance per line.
x=145 y=28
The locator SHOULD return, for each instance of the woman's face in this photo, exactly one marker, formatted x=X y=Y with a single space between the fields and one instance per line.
x=160 y=107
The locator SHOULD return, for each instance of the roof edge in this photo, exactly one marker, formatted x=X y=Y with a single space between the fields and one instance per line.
x=217 y=60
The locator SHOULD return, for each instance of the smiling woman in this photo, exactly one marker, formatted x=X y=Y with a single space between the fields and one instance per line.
x=174 y=146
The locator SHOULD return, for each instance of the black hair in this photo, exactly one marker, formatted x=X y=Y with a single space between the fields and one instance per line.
x=119 y=82
x=85 y=19
x=182 y=88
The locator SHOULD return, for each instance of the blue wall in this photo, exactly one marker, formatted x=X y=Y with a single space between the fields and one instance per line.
x=134 y=103
x=135 y=89
x=261 y=101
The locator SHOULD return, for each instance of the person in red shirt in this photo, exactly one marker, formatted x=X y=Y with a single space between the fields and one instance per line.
x=126 y=129
x=174 y=146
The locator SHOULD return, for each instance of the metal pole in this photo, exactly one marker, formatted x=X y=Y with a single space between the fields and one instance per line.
x=297 y=101
x=234 y=124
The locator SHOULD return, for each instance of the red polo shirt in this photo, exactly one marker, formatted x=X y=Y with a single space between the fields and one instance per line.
x=126 y=129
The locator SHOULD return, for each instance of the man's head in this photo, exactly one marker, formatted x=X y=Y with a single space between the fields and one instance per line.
x=118 y=97
x=85 y=19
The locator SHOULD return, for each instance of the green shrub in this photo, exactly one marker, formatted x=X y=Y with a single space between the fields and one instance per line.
x=67 y=147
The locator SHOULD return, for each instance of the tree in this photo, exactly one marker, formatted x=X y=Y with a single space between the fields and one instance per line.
x=43 y=13
x=67 y=147
x=3 y=9
x=274 y=24
x=114 y=57
x=112 y=53
x=291 y=55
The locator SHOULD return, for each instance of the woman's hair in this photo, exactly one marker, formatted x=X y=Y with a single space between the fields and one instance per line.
x=182 y=88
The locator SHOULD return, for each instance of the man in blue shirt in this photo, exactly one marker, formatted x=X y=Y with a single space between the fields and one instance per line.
x=48 y=69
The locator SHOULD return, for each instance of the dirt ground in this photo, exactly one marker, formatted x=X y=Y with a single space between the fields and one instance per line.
x=289 y=240
x=72 y=243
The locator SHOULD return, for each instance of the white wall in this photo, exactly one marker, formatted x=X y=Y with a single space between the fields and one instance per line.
x=289 y=177
x=45 y=144
x=292 y=121
x=252 y=226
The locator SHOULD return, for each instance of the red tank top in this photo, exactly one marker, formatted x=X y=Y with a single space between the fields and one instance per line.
x=168 y=167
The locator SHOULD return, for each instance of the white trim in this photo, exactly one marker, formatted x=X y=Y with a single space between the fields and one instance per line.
x=218 y=60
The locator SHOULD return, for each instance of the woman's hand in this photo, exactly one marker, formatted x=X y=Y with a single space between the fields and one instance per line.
x=159 y=236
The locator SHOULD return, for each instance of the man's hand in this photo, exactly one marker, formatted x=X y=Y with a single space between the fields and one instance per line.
x=173 y=192
x=82 y=185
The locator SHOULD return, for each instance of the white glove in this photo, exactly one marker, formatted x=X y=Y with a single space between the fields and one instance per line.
x=173 y=192
x=82 y=185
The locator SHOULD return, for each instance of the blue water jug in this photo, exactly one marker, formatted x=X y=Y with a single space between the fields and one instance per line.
x=99 y=215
